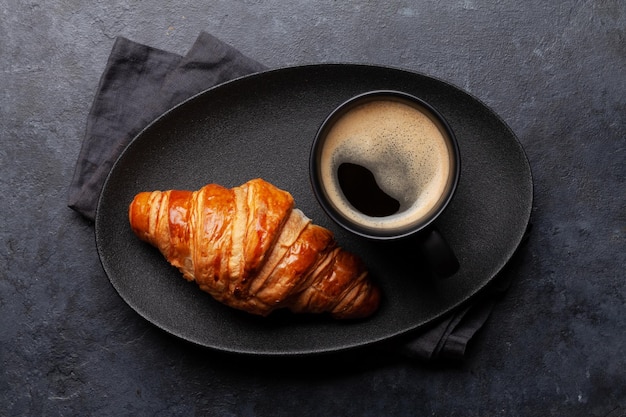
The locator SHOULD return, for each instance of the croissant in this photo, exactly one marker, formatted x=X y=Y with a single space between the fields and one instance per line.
x=251 y=249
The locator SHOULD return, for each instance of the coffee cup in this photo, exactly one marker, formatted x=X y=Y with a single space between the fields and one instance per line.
x=384 y=165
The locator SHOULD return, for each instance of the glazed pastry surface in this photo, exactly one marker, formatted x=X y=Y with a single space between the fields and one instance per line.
x=251 y=249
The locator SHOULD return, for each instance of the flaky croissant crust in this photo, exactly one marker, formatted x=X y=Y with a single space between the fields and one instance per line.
x=252 y=250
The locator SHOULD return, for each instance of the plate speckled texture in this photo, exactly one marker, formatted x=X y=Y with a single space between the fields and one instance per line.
x=263 y=126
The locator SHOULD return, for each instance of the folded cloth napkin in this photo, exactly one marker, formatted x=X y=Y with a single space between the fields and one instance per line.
x=139 y=83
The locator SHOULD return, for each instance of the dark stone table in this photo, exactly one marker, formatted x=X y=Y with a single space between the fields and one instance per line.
x=555 y=345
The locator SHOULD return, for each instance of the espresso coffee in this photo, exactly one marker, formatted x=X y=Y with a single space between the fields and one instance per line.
x=386 y=165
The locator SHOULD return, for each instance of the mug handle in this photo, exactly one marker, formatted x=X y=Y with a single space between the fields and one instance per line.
x=439 y=254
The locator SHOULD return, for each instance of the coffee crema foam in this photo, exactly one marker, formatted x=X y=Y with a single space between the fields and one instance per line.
x=404 y=149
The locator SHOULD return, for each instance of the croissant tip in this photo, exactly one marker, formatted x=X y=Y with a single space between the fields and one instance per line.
x=139 y=214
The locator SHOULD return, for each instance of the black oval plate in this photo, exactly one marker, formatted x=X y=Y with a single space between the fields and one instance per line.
x=263 y=125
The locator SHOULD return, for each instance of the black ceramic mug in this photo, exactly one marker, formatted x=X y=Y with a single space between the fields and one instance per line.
x=384 y=165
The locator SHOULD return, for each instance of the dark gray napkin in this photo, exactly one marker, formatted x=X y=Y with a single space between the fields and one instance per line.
x=139 y=83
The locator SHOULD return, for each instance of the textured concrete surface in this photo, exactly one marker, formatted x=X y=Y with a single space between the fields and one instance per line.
x=555 y=345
